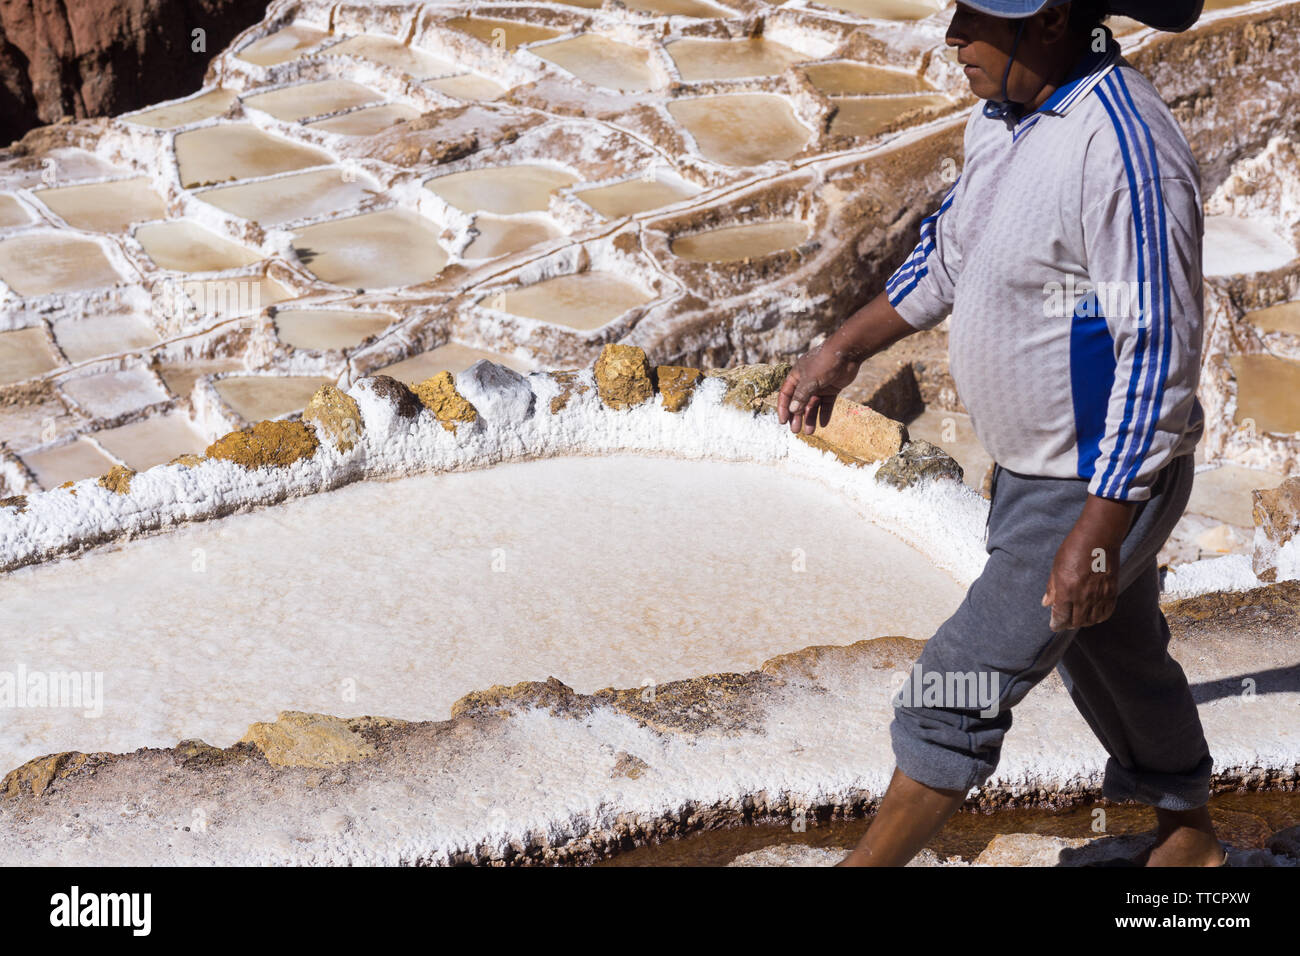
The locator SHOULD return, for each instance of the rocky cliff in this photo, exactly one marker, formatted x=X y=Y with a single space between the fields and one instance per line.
x=100 y=57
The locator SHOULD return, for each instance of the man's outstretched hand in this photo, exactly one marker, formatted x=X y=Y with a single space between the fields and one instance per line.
x=1084 y=584
x=808 y=395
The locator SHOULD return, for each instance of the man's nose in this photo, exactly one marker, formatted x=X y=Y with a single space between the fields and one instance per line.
x=956 y=35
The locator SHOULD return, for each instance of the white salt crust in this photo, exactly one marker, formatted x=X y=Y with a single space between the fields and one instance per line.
x=400 y=597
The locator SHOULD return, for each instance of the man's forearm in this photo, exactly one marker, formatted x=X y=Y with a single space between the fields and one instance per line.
x=871 y=329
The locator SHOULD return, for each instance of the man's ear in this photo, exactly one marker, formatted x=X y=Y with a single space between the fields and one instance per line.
x=1054 y=23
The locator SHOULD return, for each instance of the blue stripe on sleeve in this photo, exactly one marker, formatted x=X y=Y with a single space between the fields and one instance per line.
x=910 y=273
x=1162 y=332
x=1139 y=351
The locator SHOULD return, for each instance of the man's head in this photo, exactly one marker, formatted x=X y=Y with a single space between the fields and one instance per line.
x=1045 y=47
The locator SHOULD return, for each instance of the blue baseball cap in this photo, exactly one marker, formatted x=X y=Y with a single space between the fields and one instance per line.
x=1171 y=15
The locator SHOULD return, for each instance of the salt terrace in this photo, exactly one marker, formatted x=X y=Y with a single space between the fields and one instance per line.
x=388 y=241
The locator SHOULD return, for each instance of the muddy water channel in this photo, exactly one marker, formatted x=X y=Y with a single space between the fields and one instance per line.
x=1244 y=820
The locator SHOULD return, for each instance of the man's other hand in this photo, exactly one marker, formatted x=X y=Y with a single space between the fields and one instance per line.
x=1084 y=584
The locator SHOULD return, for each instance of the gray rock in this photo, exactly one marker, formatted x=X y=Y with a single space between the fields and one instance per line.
x=918 y=461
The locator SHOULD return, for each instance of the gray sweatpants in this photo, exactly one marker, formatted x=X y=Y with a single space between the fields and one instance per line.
x=1119 y=673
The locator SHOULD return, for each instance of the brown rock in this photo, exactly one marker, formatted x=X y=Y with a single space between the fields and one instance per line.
x=499 y=699
x=336 y=415
x=395 y=392
x=1277 y=521
x=274 y=444
x=188 y=459
x=117 y=480
x=569 y=386
x=439 y=395
x=194 y=754
x=623 y=376
x=297 y=739
x=749 y=385
x=1274 y=604
x=918 y=461
x=35 y=775
x=17 y=502
x=676 y=384
x=712 y=704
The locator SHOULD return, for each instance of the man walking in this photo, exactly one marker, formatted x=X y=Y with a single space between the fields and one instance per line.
x=1069 y=256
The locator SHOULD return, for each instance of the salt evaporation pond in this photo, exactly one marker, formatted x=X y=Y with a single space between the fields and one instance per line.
x=396 y=598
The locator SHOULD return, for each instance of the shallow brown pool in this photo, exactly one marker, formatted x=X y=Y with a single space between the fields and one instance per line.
x=1245 y=820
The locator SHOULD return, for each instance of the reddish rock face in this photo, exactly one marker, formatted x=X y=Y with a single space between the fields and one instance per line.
x=101 y=57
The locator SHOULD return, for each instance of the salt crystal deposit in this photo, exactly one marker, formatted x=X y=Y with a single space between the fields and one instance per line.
x=403 y=284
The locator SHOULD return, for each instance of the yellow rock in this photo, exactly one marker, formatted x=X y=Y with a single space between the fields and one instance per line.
x=336 y=415
x=277 y=444
x=439 y=395
x=623 y=376
x=297 y=739
x=35 y=775
x=855 y=430
x=118 y=479
x=187 y=459
x=677 y=385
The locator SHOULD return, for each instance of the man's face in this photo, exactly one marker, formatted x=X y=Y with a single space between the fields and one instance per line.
x=983 y=44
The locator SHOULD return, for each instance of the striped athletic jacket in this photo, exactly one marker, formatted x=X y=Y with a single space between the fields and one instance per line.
x=1069 y=256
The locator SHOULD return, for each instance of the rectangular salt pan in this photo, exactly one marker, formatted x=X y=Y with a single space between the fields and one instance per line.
x=378 y=250
x=218 y=154
x=69 y=462
x=584 y=301
x=322 y=329
x=284 y=45
x=24 y=354
x=111 y=394
x=96 y=335
x=104 y=207
x=153 y=441
x=46 y=263
x=298 y=102
x=185 y=246
x=415 y=592
x=261 y=397
x=12 y=212
x=193 y=110
x=298 y=196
